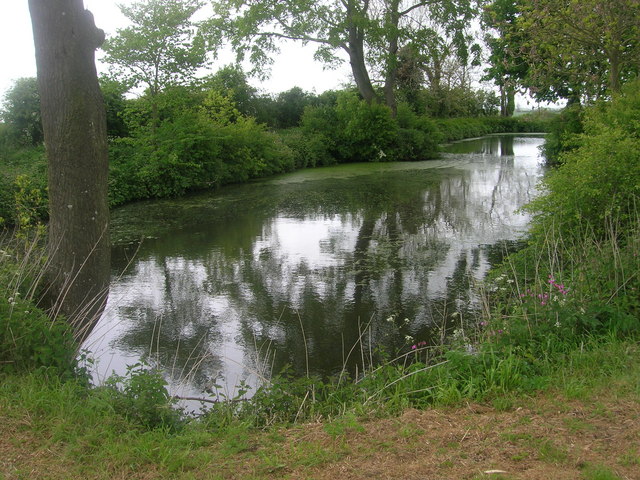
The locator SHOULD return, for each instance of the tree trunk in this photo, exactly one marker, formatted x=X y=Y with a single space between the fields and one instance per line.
x=391 y=77
x=73 y=117
x=614 y=71
x=511 y=100
x=355 y=49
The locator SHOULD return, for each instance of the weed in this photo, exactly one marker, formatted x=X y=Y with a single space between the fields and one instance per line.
x=599 y=472
x=141 y=397
x=548 y=451
x=343 y=426
x=578 y=425
x=630 y=458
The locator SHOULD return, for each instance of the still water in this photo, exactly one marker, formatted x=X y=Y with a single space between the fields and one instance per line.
x=228 y=286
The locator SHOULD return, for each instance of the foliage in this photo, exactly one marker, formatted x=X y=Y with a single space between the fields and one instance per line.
x=451 y=102
x=290 y=106
x=577 y=278
x=30 y=203
x=231 y=82
x=506 y=68
x=23 y=187
x=452 y=129
x=580 y=49
x=600 y=178
x=142 y=398
x=115 y=104
x=29 y=340
x=563 y=133
x=364 y=132
x=202 y=141
x=356 y=131
x=161 y=48
x=21 y=113
x=370 y=34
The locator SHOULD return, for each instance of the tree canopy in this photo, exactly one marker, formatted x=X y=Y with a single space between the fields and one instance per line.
x=161 y=47
x=21 y=111
x=570 y=49
x=370 y=33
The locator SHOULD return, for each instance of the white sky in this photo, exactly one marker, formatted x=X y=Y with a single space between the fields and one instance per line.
x=294 y=67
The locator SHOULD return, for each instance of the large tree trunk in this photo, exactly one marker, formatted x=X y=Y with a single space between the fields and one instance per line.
x=355 y=49
x=359 y=67
x=73 y=118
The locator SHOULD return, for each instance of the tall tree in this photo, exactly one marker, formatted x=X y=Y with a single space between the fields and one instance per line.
x=162 y=48
x=75 y=134
x=370 y=32
x=586 y=48
x=505 y=39
x=21 y=111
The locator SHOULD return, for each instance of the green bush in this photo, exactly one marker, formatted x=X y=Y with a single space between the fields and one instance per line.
x=29 y=340
x=194 y=150
x=307 y=150
x=141 y=397
x=563 y=134
x=354 y=131
x=600 y=178
x=23 y=184
x=7 y=203
x=453 y=129
x=365 y=132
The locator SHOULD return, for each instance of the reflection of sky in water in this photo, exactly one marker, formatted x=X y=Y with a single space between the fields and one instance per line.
x=212 y=302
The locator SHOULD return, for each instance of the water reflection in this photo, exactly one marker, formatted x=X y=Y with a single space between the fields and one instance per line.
x=228 y=286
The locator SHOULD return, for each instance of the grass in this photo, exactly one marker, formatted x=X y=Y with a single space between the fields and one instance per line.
x=69 y=427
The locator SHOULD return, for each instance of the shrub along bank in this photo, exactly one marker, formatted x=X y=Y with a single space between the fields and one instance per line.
x=203 y=141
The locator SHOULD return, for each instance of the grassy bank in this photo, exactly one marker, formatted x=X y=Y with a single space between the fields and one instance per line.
x=583 y=424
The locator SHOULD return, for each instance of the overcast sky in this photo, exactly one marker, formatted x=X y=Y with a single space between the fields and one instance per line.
x=294 y=67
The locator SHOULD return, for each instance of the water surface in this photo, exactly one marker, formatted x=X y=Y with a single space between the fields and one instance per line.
x=231 y=285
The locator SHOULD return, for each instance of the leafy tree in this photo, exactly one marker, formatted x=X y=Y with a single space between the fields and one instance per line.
x=21 y=111
x=162 y=48
x=115 y=104
x=73 y=118
x=586 y=48
x=232 y=82
x=369 y=32
x=507 y=68
x=290 y=106
x=599 y=178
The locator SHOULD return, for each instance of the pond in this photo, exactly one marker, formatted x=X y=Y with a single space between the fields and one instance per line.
x=230 y=286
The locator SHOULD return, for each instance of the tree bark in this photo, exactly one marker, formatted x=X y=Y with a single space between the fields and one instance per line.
x=391 y=77
x=74 y=122
x=355 y=49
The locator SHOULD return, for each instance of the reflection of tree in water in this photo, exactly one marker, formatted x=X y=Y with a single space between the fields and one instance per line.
x=174 y=327
x=402 y=243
